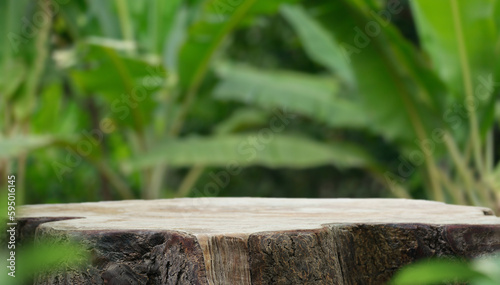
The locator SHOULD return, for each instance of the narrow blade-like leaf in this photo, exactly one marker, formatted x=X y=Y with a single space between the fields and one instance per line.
x=272 y=150
x=318 y=43
x=314 y=96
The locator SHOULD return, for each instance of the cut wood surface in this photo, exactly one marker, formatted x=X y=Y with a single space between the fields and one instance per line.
x=257 y=240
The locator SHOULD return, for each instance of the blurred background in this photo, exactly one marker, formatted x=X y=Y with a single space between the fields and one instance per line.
x=123 y=99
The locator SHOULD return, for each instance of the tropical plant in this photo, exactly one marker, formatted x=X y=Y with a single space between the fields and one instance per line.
x=435 y=102
x=135 y=91
x=124 y=76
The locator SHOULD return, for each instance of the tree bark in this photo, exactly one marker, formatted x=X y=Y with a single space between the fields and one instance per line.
x=257 y=240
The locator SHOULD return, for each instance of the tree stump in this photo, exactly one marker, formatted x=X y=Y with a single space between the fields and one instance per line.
x=258 y=240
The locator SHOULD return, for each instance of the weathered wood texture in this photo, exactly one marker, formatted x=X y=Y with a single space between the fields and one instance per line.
x=258 y=241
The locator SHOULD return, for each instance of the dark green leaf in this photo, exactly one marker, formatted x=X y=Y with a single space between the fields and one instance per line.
x=464 y=58
x=133 y=82
x=217 y=20
x=401 y=96
x=318 y=43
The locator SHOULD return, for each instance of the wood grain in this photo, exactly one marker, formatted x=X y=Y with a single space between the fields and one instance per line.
x=257 y=240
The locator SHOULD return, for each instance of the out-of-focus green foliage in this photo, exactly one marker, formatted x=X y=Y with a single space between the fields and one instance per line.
x=313 y=96
x=412 y=101
x=42 y=255
x=439 y=115
x=320 y=45
x=276 y=153
x=482 y=271
x=124 y=99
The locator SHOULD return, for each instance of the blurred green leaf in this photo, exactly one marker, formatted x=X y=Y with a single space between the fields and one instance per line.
x=496 y=16
x=23 y=53
x=175 y=39
x=134 y=81
x=205 y=36
x=242 y=119
x=104 y=64
x=490 y=266
x=397 y=88
x=48 y=113
x=441 y=30
x=269 y=149
x=217 y=20
x=464 y=57
x=313 y=96
x=106 y=17
x=13 y=75
x=318 y=43
x=11 y=147
x=160 y=19
x=13 y=70
x=43 y=257
x=14 y=42
x=436 y=271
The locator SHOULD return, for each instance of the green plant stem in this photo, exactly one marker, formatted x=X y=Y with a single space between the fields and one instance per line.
x=6 y=122
x=455 y=191
x=437 y=193
x=189 y=181
x=461 y=167
x=114 y=179
x=203 y=68
x=434 y=178
x=193 y=89
x=153 y=26
x=396 y=189
x=156 y=181
x=4 y=172
x=139 y=129
x=158 y=176
x=128 y=84
x=181 y=116
x=21 y=178
x=125 y=21
x=41 y=46
x=467 y=151
x=467 y=79
x=489 y=153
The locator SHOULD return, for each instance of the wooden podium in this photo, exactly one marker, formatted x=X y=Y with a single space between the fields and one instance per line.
x=257 y=240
